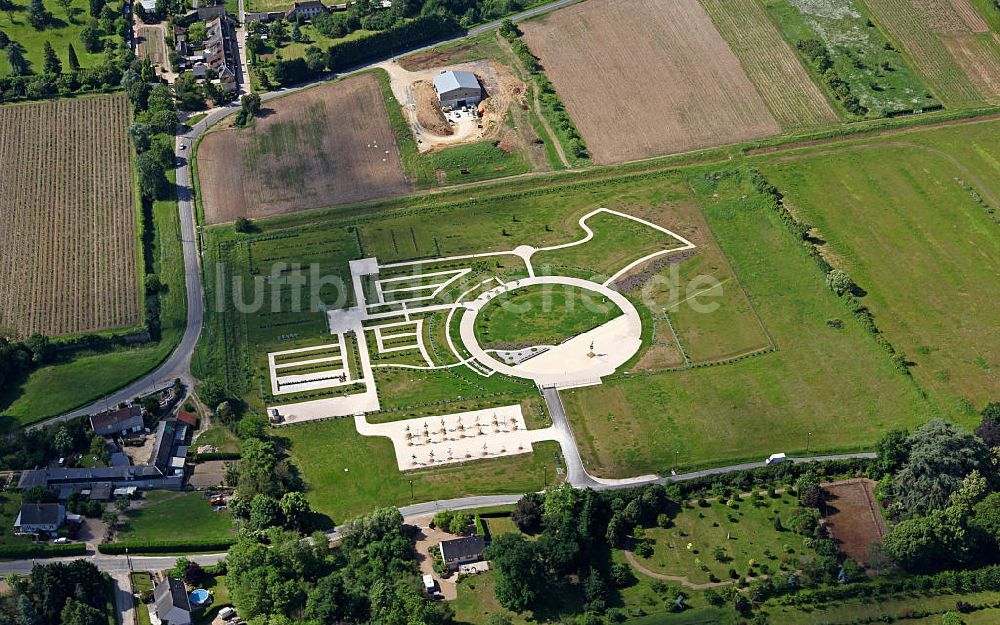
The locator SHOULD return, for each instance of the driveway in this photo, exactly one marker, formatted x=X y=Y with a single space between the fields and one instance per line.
x=427 y=538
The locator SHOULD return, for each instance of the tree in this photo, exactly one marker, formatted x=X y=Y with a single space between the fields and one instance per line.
x=941 y=455
x=265 y=512
x=251 y=103
x=137 y=89
x=38 y=17
x=244 y=225
x=52 y=63
x=892 y=450
x=74 y=63
x=986 y=518
x=519 y=571
x=95 y=8
x=63 y=441
x=839 y=282
x=40 y=346
x=91 y=38
x=152 y=181
x=15 y=58
x=315 y=59
x=928 y=542
x=189 y=93
x=193 y=574
x=527 y=514
x=98 y=447
x=989 y=427
x=296 y=511
x=79 y=613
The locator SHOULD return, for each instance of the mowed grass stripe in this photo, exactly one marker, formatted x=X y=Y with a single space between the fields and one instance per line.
x=794 y=99
x=929 y=54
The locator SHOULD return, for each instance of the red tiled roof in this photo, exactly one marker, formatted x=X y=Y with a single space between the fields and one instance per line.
x=187 y=417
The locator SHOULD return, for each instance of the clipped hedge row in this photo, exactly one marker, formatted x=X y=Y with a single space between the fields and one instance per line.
x=215 y=455
x=422 y=30
x=165 y=546
x=41 y=550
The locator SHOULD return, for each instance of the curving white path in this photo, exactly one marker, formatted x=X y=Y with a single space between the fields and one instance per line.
x=568 y=364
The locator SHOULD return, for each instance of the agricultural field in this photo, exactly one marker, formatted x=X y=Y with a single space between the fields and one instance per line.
x=324 y=146
x=853 y=517
x=950 y=42
x=794 y=99
x=150 y=44
x=913 y=221
x=634 y=97
x=67 y=199
x=850 y=57
x=64 y=30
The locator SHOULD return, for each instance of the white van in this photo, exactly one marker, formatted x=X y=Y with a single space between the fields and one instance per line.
x=429 y=584
x=777 y=458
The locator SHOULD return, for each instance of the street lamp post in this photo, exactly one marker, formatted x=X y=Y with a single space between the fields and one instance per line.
x=808 y=441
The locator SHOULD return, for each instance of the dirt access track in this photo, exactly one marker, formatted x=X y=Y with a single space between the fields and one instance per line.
x=643 y=78
x=415 y=91
x=324 y=146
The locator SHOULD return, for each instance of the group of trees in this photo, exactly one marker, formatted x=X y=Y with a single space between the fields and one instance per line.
x=105 y=29
x=74 y=593
x=574 y=529
x=944 y=489
x=276 y=578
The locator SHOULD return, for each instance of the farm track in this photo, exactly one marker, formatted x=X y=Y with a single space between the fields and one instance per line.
x=771 y=64
x=69 y=262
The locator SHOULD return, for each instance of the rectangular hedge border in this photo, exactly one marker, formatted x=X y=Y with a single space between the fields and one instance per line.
x=165 y=546
x=42 y=550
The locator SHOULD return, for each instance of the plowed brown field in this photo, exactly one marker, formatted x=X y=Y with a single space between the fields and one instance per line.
x=320 y=147
x=67 y=217
x=642 y=78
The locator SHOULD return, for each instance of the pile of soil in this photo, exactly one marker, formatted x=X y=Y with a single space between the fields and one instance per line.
x=429 y=114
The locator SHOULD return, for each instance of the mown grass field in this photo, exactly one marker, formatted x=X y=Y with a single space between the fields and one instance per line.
x=165 y=515
x=348 y=474
x=745 y=410
x=745 y=533
x=62 y=32
x=896 y=608
x=542 y=315
x=902 y=218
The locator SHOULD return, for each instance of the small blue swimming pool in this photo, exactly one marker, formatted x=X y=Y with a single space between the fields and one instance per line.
x=200 y=597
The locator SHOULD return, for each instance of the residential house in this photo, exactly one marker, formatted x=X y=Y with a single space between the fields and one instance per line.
x=305 y=10
x=173 y=606
x=39 y=518
x=459 y=551
x=125 y=420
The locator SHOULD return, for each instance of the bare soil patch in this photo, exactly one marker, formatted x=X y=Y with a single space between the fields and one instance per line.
x=429 y=114
x=430 y=59
x=853 y=517
x=642 y=78
x=323 y=146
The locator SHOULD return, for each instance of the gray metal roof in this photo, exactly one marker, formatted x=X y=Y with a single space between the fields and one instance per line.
x=39 y=513
x=449 y=81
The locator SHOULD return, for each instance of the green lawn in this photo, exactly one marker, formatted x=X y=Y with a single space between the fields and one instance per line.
x=220 y=599
x=896 y=608
x=716 y=415
x=904 y=222
x=349 y=474
x=141 y=582
x=63 y=31
x=10 y=507
x=745 y=533
x=879 y=78
x=541 y=315
x=165 y=516
x=220 y=436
